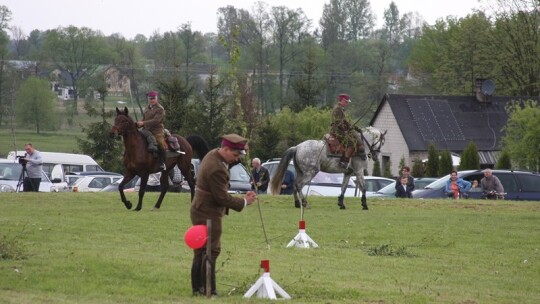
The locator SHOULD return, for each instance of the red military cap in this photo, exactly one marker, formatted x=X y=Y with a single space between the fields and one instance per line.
x=235 y=142
x=152 y=94
x=345 y=97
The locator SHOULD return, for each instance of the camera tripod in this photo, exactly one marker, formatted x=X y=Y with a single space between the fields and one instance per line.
x=22 y=177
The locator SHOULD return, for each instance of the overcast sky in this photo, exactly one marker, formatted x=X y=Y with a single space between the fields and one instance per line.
x=131 y=17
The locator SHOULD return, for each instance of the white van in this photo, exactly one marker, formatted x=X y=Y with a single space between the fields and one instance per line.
x=56 y=165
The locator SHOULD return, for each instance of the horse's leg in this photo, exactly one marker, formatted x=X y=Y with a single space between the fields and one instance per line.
x=184 y=164
x=164 y=182
x=127 y=178
x=364 y=201
x=346 y=178
x=142 y=189
x=362 y=186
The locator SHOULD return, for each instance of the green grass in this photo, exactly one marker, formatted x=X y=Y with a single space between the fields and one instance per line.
x=87 y=248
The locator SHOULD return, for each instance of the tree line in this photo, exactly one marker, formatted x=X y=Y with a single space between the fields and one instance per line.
x=269 y=73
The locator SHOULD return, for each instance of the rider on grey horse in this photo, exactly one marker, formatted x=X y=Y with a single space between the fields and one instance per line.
x=344 y=131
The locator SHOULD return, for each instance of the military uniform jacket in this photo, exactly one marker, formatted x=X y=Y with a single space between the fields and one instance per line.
x=211 y=199
x=153 y=119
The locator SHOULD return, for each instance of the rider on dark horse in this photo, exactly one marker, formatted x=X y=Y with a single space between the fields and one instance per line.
x=344 y=131
x=152 y=121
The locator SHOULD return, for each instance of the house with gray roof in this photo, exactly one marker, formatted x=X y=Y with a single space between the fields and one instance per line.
x=449 y=122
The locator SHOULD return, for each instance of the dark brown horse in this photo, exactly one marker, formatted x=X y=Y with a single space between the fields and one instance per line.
x=138 y=161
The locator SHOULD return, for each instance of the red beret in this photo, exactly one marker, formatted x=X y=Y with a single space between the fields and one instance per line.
x=235 y=142
x=345 y=96
x=152 y=94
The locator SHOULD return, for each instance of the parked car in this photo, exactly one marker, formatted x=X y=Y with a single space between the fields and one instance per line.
x=10 y=176
x=518 y=185
x=93 y=183
x=132 y=186
x=390 y=189
x=329 y=184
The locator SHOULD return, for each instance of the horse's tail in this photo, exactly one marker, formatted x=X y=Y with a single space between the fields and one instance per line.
x=275 y=183
x=199 y=145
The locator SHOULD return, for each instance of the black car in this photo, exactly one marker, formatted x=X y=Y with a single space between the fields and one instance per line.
x=518 y=185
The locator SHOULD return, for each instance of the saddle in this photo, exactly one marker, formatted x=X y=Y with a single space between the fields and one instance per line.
x=171 y=142
x=336 y=149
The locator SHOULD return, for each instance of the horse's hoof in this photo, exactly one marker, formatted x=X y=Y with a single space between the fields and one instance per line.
x=128 y=205
x=306 y=205
x=342 y=207
x=365 y=208
x=137 y=209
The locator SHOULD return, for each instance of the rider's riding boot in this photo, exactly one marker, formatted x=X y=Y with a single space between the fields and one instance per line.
x=344 y=162
x=162 y=158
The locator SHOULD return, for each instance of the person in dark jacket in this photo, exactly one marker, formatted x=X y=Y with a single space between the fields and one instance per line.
x=212 y=201
x=287 y=185
x=261 y=176
x=406 y=172
x=403 y=189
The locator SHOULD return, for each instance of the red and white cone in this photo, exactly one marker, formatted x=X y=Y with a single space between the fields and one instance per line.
x=265 y=287
x=302 y=240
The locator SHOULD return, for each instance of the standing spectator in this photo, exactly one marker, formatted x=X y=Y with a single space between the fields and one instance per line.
x=212 y=201
x=403 y=190
x=153 y=184
x=491 y=185
x=457 y=187
x=260 y=176
x=406 y=172
x=287 y=185
x=34 y=168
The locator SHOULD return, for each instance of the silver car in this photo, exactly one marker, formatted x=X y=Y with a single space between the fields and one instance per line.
x=11 y=179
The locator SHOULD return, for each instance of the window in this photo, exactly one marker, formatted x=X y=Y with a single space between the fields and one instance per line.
x=529 y=182
x=508 y=181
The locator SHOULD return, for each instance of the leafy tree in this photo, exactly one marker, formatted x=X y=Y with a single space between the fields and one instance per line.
x=36 y=104
x=418 y=168
x=516 y=40
x=174 y=99
x=504 y=161
x=432 y=169
x=402 y=162
x=469 y=158
x=5 y=17
x=306 y=86
x=263 y=144
x=210 y=109
x=376 y=168
x=387 y=169
x=445 y=163
x=106 y=150
x=522 y=135
x=77 y=51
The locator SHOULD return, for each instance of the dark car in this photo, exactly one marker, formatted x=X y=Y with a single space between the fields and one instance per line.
x=518 y=185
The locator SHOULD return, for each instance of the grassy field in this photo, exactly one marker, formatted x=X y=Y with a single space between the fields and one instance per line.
x=87 y=248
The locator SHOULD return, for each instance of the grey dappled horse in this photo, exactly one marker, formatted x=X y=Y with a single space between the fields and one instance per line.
x=310 y=157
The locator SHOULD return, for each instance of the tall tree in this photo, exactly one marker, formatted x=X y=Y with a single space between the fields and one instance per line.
x=445 y=163
x=432 y=169
x=76 y=51
x=522 y=135
x=36 y=104
x=516 y=42
x=469 y=158
x=5 y=17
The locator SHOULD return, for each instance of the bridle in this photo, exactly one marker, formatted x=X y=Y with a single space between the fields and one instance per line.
x=121 y=128
x=375 y=148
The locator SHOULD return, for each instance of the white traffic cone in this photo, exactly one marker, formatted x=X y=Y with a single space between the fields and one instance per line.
x=302 y=240
x=264 y=287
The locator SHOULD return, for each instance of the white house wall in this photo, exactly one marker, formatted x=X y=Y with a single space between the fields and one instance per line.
x=395 y=146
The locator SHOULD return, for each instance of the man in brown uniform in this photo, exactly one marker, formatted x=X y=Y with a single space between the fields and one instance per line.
x=343 y=130
x=212 y=202
x=152 y=121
